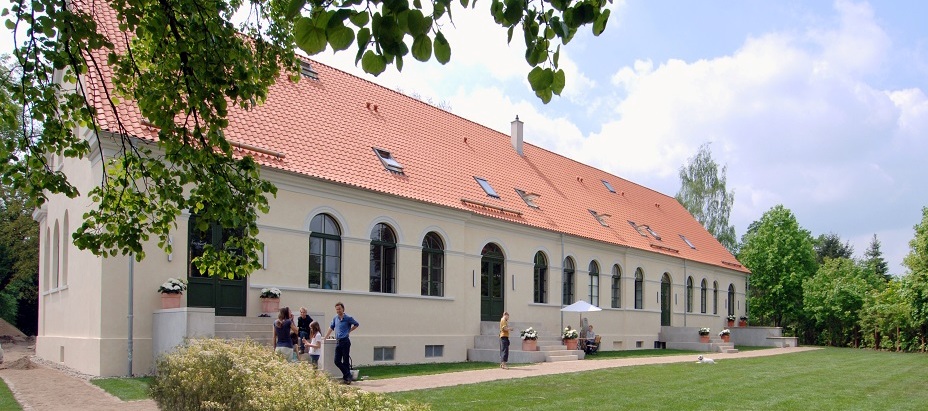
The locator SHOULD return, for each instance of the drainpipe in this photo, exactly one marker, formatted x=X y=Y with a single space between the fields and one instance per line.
x=131 y=289
x=562 y=282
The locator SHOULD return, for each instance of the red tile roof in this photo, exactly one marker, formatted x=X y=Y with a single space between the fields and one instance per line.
x=326 y=129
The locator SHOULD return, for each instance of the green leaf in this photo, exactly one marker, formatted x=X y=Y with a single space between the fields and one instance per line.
x=308 y=37
x=360 y=18
x=340 y=37
x=442 y=48
x=10 y=25
x=373 y=63
x=422 y=48
x=557 y=55
x=418 y=24
x=540 y=78
x=294 y=8
x=544 y=95
x=600 y=24
x=509 y=34
x=514 y=10
x=558 y=82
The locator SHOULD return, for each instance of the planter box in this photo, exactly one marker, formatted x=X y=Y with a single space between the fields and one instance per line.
x=170 y=300
x=529 y=345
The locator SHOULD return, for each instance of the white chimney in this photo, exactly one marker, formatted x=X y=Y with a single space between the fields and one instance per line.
x=517 y=135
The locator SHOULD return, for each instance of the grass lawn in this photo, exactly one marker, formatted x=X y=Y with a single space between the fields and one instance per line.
x=827 y=379
x=6 y=398
x=126 y=389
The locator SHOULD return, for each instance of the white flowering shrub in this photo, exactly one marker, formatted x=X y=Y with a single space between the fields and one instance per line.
x=240 y=375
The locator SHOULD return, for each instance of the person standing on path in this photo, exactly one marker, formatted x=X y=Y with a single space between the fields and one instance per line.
x=504 y=330
x=343 y=324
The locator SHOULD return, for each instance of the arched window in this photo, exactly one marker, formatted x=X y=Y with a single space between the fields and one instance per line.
x=65 y=245
x=46 y=262
x=639 y=289
x=703 y=288
x=433 y=265
x=731 y=299
x=541 y=278
x=616 y=286
x=715 y=297
x=567 y=283
x=383 y=259
x=594 y=283
x=325 y=253
x=56 y=257
x=689 y=294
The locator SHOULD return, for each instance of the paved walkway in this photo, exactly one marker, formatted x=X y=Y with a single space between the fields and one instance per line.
x=45 y=388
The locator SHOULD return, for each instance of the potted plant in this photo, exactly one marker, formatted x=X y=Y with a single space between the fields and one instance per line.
x=743 y=321
x=171 y=291
x=725 y=334
x=704 y=334
x=270 y=300
x=529 y=339
x=731 y=320
x=570 y=337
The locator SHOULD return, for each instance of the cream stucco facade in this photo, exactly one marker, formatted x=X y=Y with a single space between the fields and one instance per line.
x=83 y=305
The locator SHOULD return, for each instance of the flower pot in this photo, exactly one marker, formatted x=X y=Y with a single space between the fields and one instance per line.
x=726 y=338
x=270 y=305
x=742 y=323
x=529 y=345
x=571 y=343
x=170 y=300
x=704 y=338
x=731 y=323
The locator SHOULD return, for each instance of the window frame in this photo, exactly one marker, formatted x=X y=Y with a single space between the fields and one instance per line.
x=567 y=281
x=616 y=286
x=540 y=279
x=639 y=289
x=324 y=237
x=594 y=283
x=383 y=248
x=429 y=271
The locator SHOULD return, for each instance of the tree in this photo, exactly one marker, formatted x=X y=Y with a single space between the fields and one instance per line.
x=780 y=256
x=834 y=296
x=183 y=65
x=873 y=260
x=703 y=194
x=916 y=279
x=885 y=316
x=830 y=246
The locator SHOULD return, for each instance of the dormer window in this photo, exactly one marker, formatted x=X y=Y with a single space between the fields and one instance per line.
x=486 y=187
x=529 y=198
x=608 y=186
x=306 y=70
x=388 y=161
x=602 y=218
x=687 y=241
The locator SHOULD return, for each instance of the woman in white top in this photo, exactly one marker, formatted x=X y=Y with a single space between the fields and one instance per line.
x=315 y=343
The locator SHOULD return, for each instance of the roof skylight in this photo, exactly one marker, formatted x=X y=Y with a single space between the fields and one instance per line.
x=602 y=218
x=656 y=237
x=687 y=241
x=529 y=198
x=608 y=186
x=388 y=161
x=487 y=187
x=638 y=228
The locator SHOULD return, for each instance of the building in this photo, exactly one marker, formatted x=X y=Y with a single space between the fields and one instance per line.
x=423 y=223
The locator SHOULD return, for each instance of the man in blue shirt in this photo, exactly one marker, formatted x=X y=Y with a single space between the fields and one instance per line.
x=343 y=324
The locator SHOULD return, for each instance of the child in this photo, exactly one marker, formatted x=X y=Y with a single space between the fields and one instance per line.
x=314 y=343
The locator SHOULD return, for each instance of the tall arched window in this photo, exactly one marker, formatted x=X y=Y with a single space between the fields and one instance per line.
x=433 y=265
x=65 y=245
x=56 y=257
x=703 y=288
x=325 y=253
x=567 y=283
x=383 y=259
x=639 y=289
x=594 y=283
x=715 y=297
x=541 y=278
x=731 y=299
x=46 y=262
x=689 y=294
x=616 y=286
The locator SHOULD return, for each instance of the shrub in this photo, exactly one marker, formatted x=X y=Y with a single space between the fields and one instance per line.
x=215 y=374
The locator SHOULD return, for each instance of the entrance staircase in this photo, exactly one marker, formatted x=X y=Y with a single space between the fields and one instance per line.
x=259 y=329
x=550 y=347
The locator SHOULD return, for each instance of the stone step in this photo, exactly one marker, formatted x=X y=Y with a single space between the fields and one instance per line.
x=555 y=358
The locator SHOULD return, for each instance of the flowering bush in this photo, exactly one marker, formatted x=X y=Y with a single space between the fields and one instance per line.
x=704 y=331
x=529 y=334
x=172 y=286
x=272 y=292
x=570 y=334
x=731 y=317
x=724 y=332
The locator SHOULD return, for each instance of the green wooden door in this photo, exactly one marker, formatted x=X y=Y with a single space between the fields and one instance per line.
x=492 y=284
x=225 y=295
x=665 y=300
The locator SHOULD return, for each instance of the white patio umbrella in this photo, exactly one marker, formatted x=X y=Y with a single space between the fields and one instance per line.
x=579 y=307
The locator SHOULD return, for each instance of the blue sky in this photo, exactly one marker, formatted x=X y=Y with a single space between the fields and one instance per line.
x=819 y=106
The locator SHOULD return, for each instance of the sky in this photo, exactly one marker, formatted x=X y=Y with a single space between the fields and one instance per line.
x=819 y=106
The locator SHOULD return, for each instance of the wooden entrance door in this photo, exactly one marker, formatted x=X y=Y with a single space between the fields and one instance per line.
x=492 y=283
